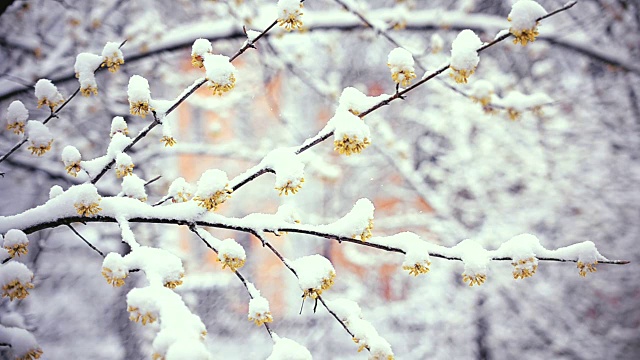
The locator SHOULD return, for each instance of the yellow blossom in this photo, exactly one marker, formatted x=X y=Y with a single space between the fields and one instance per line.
x=140 y=108
x=513 y=114
x=40 y=149
x=168 y=141
x=475 y=279
x=137 y=316
x=289 y=188
x=16 y=290
x=31 y=354
x=233 y=263
x=113 y=62
x=219 y=89
x=17 y=127
x=583 y=268
x=112 y=279
x=366 y=233
x=327 y=282
x=87 y=210
x=197 y=61
x=418 y=268
x=291 y=20
x=524 y=268
x=348 y=146
x=174 y=283
x=73 y=169
x=461 y=76
x=88 y=90
x=17 y=250
x=403 y=77
x=212 y=202
x=124 y=170
x=524 y=36
x=51 y=104
x=261 y=318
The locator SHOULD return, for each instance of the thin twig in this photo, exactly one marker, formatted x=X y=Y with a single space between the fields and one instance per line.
x=194 y=229
x=85 y=240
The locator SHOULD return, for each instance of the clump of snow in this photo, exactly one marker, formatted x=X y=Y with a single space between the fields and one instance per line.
x=213 y=184
x=23 y=343
x=220 y=73
x=133 y=187
x=315 y=274
x=357 y=223
x=47 y=94
x=118 y=125
x=17 y=115
x=38 y=133
x=192 y=349
x=525 y=14
x=345 y=309
x=14 y=238
x=180 y=190
x=70 y=155
x=464 y=54
x=201 y=47
x=366 y=336
x=288 y=167
x=400 y=62
x=138 y=90
x=259 y=311
x=231 y=254
x=476 y=260
x=287 y=349
x=117 y=145
x=356 y=102
x=85 y=66
x=288 y=213
x=351 y=134
x=55 y=191
x=519 y=247
x=14 y=271
x=112 y=56
x=416 y=259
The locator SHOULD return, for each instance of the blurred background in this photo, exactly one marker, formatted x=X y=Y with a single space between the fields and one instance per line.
x=439 y=165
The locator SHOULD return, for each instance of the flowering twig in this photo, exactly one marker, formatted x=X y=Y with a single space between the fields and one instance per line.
x=244 y=178
x=194 y=229
x=180 y=100
x=238 y=225
x=53 y=114
x=293 y=271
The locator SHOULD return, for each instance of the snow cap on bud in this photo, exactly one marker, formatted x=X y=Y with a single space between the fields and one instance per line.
x=112 y=56
x=220 y=73
x=213 y=189
x=139 y=96
x=464 y=56
x=17 y=115
x=47 y=94
x=198 y=50
x=40 y=137
x=118 y=125
x=400 y=63
x=71 y=158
